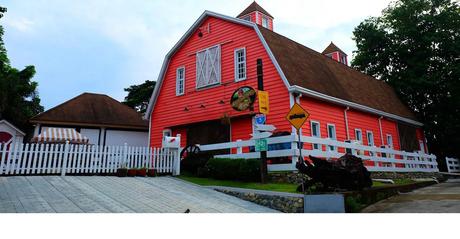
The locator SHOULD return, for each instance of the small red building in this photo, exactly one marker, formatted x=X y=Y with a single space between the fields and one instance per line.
x=218 y=55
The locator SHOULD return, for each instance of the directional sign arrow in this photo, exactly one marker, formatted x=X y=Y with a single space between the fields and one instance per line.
x=261 y=127
x=261 y=135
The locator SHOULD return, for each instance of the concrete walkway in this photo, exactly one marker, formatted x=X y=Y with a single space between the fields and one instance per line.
x=50 y=194
x=440 y=198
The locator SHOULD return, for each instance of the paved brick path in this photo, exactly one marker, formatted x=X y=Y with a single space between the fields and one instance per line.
x=440 y=198
x=49 y=194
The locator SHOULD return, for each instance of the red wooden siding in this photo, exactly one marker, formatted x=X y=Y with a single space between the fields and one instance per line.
x=326 y=113
x=205 y=104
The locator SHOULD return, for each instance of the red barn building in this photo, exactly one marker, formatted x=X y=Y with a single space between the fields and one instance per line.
x=218 y=55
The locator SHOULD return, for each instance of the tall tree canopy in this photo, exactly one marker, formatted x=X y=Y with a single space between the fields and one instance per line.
x=19 y=99
x=139 y=95
x=415 y=47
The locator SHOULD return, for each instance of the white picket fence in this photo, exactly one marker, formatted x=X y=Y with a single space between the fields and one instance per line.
x=30 y=159
x=384 y=159
x=453 y=165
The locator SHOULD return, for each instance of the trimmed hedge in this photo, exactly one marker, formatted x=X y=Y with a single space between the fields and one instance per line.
x=232 y=169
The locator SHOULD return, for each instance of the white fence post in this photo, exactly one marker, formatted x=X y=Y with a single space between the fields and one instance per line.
x=65 y=159
x=176 y=158
x=294 y=147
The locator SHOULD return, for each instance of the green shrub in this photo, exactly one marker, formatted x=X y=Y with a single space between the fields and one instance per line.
x=250 y=170
x=234 y=169
x=193 y=162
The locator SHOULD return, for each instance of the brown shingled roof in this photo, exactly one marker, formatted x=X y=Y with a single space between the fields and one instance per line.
x=252 y=8
x=332 y=48
x=309 y=69
x=90 y=109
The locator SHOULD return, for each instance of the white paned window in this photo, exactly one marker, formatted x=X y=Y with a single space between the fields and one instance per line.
x=315 y=132
x=265 y=22
x=390 y=141
x=180 y=81
x=208 y=67
x=370 y=140
x=167 y=133
x=331 y=134
x=359 y=135
x=240 y=64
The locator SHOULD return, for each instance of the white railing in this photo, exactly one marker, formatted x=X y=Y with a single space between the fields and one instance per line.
x=383 y=159
x=453 y=165
x=30 y=159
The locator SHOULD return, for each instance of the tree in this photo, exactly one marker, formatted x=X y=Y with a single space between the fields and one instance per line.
x=139 y=95
x=415 y=47
x=19 y=100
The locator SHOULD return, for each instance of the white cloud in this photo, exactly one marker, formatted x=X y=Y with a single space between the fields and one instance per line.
x=21 y=24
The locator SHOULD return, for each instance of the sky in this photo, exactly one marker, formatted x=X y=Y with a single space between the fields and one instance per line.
x=104 y=46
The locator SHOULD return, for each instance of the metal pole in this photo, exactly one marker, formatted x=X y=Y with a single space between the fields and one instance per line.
x=299 y=146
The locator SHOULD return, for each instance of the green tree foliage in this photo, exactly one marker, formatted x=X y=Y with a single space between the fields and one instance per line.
x=415 y=47
x=19 y=99
x=139 y=95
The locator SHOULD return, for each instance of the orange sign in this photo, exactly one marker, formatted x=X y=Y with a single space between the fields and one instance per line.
x=297 y=116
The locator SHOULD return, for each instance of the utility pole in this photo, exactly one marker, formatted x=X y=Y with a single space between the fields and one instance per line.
x=263 y=154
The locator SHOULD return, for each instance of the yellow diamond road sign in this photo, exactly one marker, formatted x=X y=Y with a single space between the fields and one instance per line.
x=297 y=116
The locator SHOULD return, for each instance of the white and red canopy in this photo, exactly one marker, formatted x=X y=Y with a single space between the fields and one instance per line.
x=60 y=135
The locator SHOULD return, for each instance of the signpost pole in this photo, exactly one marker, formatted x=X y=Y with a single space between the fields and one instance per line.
x=263 y=154
x=300 y=160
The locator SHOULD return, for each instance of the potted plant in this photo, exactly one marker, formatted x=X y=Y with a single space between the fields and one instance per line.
x=122 y=171
x=152 y=172
x=141 y=172
x=132 y=172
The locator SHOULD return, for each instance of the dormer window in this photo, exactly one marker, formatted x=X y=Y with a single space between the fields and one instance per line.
x=247 y=18
x=265 y=22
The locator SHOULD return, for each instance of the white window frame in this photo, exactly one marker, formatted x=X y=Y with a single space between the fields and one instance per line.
x=369 y=142
x=178 y=80
x=267 y=21
x=373 y=139
x=167 y=133
x=237 y=75
x=315 y=146
x=390 y=142
x=360 y=134
x=330 y=147
x=207 y=74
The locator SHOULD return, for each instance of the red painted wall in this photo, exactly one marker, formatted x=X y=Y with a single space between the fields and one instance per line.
x=326 y=113
x=169 y=109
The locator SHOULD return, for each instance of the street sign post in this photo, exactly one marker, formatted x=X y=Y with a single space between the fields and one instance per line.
x=297 y=116
x=261 y=145
x=264 y=107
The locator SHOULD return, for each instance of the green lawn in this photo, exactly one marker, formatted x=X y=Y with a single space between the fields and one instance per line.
x=278 y=187
x=397 y=182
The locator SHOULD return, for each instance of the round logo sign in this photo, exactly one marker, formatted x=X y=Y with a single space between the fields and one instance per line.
x=243 y=98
